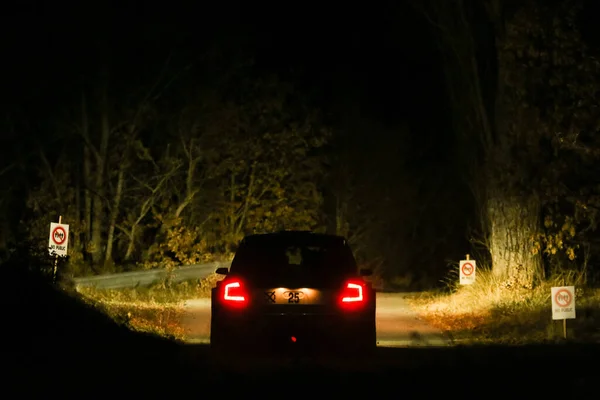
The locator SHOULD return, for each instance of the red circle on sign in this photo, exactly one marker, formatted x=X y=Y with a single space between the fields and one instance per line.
x=567 y=294
x=467 y=269
x=58 y=240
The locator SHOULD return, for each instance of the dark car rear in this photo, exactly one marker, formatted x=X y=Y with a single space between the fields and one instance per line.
x=293 y=288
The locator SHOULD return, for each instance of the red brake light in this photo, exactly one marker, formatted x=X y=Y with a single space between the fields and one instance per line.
x=234 y=292
x=353 y=292
x=354 y=295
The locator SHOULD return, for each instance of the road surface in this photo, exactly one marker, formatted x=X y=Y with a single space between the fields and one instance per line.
x=397 y=323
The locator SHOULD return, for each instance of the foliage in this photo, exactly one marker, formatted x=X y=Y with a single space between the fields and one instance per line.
x=55 y=197
x=174 y=163
x=491 y=311
x=551 y=87
x=524 y=92
x=184 y=185
x=257 y=171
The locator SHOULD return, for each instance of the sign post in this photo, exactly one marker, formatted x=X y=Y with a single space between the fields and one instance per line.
x=58 y=242
x=467 y=269
x=563 y=305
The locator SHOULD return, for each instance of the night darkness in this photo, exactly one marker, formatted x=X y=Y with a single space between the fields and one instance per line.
x=373 y=75
x=423 y=131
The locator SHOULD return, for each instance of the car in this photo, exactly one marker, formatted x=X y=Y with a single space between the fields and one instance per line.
x=293 y=288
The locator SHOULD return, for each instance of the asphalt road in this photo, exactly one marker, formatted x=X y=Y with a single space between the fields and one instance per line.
x=397 y=323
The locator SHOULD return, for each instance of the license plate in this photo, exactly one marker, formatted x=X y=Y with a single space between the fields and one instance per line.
x=292 y=296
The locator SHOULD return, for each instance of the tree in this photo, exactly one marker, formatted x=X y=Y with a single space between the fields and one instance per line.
x=55 y=196
x=268 y=167
x=552 y=81
x=537 y=64
x=249 y=160
x=144 y=194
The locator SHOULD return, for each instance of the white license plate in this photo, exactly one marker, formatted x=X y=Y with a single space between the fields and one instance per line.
x=292 y=296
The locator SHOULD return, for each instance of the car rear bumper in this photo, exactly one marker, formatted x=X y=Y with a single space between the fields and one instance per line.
x=252 y=329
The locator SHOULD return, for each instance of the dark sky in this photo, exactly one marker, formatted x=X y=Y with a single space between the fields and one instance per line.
x=380 y=53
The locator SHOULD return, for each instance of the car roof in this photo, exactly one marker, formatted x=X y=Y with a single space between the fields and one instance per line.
x=294 y=237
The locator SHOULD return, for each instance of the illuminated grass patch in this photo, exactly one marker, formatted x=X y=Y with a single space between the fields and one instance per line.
x=491 y=310
x=156 y=309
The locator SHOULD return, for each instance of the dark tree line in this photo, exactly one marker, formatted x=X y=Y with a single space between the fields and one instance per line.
x=160 y=149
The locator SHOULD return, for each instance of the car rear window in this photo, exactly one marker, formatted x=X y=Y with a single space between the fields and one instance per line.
x=283 y=258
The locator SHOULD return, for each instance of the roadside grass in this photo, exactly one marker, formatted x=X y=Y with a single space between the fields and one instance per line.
x=154 y=318
x=163 y=292
x=156 y=309
x=490 y=311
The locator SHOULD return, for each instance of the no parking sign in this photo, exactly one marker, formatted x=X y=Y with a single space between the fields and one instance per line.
x=563 y=302
x=467 y=269
x=59 y=239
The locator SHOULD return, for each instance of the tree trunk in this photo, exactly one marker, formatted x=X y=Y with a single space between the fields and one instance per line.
x=515 y=218
x=114 y=214
x=146 y=207
x=131 y=244
x=98 y=204
x=77 y=249
x=87 y=175
x=513 y=228
x=190 y=192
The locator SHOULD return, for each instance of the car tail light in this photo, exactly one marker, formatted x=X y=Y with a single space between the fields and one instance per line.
x=233 y=292
x=353 y=294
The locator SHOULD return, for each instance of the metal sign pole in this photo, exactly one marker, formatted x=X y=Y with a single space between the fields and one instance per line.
x=56 y=256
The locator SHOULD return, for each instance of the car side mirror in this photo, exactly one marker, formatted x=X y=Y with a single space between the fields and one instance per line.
x=365 y=272
x=222 y=271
